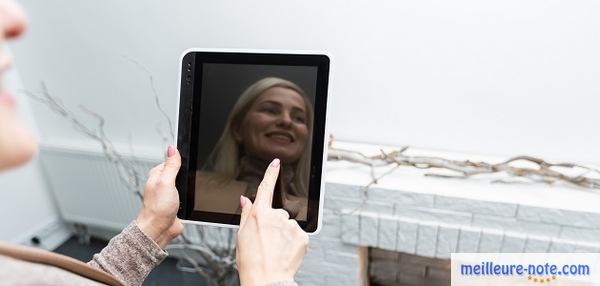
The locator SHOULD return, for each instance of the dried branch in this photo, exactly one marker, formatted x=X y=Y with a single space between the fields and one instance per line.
x=156 y=98
x=543 y=171
x=128 y=174
x=220 y=260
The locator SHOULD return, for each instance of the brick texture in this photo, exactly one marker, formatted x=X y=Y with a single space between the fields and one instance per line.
x=412 y=234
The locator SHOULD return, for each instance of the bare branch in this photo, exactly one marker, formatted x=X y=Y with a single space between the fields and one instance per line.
x=128 y=174
x=156 y=97
x=220 y=259
x=543 y=172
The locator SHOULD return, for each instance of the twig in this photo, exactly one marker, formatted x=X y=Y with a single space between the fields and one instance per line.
x=127 y=172
x=156 y=98
x=545 y=172
x=220 y=266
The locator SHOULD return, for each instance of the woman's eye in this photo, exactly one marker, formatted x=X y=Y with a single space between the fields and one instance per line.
x=300 y=119
x=270 y=110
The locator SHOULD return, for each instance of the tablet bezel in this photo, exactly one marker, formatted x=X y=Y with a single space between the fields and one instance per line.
x=187 y=120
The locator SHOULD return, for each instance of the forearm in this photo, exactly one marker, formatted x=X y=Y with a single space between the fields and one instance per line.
x=129 y=256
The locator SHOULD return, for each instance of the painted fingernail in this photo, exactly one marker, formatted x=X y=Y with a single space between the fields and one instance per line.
x=170 y=151
x=275 y=163
x=242 y=201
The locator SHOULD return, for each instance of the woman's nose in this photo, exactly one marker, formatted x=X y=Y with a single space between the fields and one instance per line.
x=285 y=119
x=13 y=21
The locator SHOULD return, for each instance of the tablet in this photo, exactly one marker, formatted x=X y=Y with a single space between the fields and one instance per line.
x=237 y=111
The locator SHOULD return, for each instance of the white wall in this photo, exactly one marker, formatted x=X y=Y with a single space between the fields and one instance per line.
x=26 y=205
x=490 y=77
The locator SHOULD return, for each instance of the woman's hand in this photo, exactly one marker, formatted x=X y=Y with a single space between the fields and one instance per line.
x=158 y=217
x=270 y=246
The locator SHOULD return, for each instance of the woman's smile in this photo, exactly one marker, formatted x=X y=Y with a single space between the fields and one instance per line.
x=280 y=136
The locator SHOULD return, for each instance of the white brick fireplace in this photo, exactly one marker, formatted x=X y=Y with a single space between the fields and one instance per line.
x=433 y=217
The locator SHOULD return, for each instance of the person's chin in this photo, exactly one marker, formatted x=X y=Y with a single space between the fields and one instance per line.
x=20 y=150
x=285 y=157
x=30 y=146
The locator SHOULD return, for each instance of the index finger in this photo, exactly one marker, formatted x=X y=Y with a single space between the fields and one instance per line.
x=264 y=194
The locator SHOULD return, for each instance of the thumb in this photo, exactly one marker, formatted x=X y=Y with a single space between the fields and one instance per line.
x=172 y=164
x=246 y=208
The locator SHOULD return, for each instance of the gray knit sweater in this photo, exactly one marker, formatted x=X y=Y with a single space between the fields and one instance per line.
x=129 y=257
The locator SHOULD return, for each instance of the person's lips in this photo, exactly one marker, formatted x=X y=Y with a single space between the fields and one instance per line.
x=281 y=136
x=7 y=99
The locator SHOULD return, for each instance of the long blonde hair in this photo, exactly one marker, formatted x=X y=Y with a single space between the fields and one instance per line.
x=225 y=157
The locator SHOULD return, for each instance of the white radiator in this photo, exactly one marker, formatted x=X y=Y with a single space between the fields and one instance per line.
x=88 y=191
x=87 y=187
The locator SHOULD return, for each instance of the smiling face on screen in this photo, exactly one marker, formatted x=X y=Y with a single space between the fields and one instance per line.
x=275 y=126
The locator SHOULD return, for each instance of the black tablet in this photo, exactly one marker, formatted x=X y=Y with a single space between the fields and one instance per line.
x=238 y=110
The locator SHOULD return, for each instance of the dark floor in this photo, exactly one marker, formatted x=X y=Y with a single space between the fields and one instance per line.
x=165 y=274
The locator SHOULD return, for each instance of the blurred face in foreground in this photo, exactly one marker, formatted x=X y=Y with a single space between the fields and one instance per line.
x=17 y=144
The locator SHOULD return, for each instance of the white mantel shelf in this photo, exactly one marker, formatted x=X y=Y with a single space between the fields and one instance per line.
x=558 y=196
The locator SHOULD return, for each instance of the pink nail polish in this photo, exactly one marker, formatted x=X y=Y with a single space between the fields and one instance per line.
x=170 y=151
x=275 y=163
x=242 y=201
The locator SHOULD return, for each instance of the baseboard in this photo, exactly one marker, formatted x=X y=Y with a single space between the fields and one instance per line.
x=48 y=235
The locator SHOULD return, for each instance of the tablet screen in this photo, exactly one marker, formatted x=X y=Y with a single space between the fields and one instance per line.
x=248 y=109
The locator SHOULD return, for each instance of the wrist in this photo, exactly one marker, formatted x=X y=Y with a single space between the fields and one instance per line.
x=153 y=230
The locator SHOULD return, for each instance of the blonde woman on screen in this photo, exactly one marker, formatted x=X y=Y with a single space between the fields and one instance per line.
x=271 y=119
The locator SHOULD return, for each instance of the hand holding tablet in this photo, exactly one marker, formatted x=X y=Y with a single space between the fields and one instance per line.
x=237 y=112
